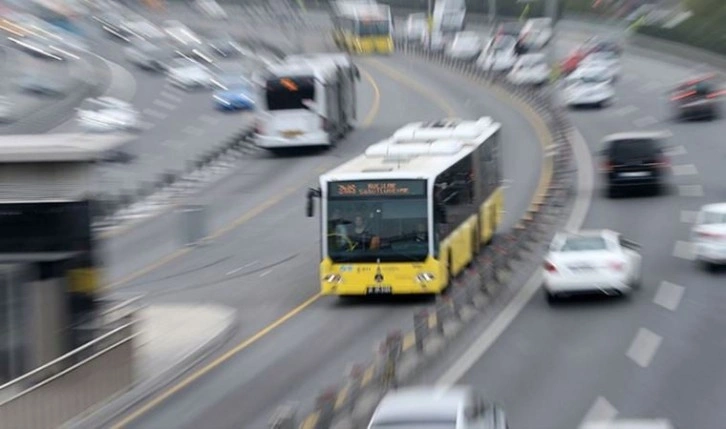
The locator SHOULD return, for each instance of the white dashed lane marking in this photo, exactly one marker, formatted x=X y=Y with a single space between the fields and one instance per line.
x=645 y=121
x=684 y=170
x=677 y=151
x=625 y=111
x=210 y=120
x=173 y=97
x=690 y=190
x=689 y=216
x=669 y=295
x=684 y=250
x=164 y=104
x=644 y=346
x=193 y=131
x=601 y=410
x=155 y=114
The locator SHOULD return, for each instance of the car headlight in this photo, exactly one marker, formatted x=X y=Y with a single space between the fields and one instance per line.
x=424 y=277
x=333 y=278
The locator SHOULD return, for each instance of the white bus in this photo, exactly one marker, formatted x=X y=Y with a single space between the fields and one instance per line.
x=351 y=76
x=303 y=104
x=449 y=16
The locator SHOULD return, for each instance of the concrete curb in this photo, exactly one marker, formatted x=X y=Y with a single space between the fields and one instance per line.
x=106 y=413
x=495 y=274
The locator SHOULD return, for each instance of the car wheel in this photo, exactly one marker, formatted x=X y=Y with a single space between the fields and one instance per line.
x=637 y=282
x=710 y=266
x=612 y=192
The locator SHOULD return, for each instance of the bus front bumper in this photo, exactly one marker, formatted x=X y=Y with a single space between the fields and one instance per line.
x=307 y=139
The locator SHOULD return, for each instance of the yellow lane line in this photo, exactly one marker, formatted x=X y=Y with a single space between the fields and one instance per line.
x=342 y=395
x=407 y=81
x=370 y=117
x=310 y=421
x=223 y=358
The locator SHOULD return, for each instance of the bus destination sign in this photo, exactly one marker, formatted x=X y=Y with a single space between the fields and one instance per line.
x=373 y=188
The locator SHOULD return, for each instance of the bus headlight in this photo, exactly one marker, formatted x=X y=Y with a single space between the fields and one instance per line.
x=424 y=277
x=333 y=278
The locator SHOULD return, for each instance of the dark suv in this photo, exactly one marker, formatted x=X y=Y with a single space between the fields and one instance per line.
x=634 y=159
x=696 y=98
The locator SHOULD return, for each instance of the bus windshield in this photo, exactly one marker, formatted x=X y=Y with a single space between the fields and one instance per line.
x=288 y=93
x=389 y=229
x=373 y=28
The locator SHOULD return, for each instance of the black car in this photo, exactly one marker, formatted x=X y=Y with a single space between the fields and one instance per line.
x=635 y=159
x=696 y=98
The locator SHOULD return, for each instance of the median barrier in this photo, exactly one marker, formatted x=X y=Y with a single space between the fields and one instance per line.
x=495 y=274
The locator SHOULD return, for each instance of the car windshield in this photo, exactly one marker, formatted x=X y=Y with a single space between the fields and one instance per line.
x=583 y=244
x=414 y=425
x=713 y=217
x=531 y=61
x=632 y=149
x=590 y=76
x=373 y=28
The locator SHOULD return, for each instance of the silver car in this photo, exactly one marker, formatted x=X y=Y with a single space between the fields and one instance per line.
x=189 y=74
x=458 y=407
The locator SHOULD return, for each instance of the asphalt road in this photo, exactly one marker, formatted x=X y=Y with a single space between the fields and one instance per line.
x=658 y=354
x=267 y=265
x=177 y=126
x=33 y=113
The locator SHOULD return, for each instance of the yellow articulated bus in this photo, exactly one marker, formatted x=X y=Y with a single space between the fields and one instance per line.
x=362 y=27
x=412 y=212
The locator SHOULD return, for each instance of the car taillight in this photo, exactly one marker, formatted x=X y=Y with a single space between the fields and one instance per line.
x=716 y=94
x=607 y=166
x=258 y=128
x=549 y=267
x=616 y=265
x=324 y=123
x=662 y=161
x=711 y=235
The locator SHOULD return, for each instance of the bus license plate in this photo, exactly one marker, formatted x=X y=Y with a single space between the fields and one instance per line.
x=379 y=290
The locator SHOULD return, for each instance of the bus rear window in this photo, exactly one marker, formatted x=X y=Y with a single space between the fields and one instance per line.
x=288 y=93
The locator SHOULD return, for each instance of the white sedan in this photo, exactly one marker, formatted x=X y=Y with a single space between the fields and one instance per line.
x=588 y=87
x=595 y=261
x=465 y=46
x=530 y=69
x=500 y=55
x=709 y=235
x=609 y=61
x=189 y=74
x=107 y=114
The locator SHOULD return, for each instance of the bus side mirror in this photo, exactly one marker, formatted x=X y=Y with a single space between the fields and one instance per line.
x=310 y=205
